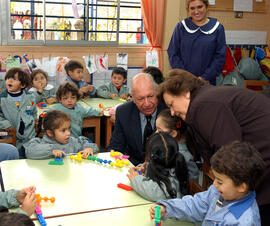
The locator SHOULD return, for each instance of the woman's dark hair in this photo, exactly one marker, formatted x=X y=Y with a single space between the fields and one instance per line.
x=121 y=71
x=65 y=88
x=22 y=76
x=180 y=82
x=15 y=219
x=51 y=121
x=36 y=71
x=163 y=154
x=241 y=162
x=203 y=1
x=156 y=74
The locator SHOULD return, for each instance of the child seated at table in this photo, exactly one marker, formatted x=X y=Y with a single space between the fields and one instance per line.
x=14 y=198
x=231 y=199
x=15 y=219
x=116 y=87
x=57 y=141
x=74 y=70
x=68 y=96
x=18 y=106
x=166 y=173
x=43 y=91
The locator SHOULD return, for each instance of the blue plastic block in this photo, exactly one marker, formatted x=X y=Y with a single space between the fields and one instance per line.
x=41 y=220
x=58 y=160
x=109 y=162
x=100 y=160
x=105 y=161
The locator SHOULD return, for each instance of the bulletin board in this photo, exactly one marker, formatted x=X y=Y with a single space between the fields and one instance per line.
x=227 y=5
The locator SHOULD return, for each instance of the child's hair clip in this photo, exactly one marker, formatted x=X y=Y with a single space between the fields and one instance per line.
x=178 y=124
x=42 y=115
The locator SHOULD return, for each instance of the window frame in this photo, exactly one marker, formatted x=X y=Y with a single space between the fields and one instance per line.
x=7 y=38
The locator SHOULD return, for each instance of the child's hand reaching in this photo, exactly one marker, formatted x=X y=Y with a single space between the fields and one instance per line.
x=58 y=153
x=123 y=96
x=86 y=89
x=132 y=173
x=51 y=100
x=152 y=211
x=22 y=193
x=29 y=203
x=113 y=95
x=141 y=168
x=86 y=152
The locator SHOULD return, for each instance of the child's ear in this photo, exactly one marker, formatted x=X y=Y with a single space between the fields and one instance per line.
x=243 y=188
x=173 y=133
x=49 y=133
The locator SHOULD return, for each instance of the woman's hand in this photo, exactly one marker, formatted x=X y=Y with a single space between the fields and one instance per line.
x=29 y=203
x=58 y=153
x=86 y=152
x=152 y=211
x=132 y=173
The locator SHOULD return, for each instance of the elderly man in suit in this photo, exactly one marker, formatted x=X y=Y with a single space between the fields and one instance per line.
x=135 y=120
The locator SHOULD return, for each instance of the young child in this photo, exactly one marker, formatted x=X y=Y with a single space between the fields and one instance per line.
x=17 y=106
x=43 y=91
x=172 y=125
x=15 y=219
x=68 y=96
x=156 y=74
x=231 y=199
x=116 y=87
x=74 y=70
x=166 y=174
x=57 y=141
x=14 y=198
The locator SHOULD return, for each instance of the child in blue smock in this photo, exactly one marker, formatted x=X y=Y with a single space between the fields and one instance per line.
x=116 y=88
x=165 y=175
x=57 y=141
x=18 y=106
x=43 y=91
x=68 y=96
x=74 y=70
x=237 y=168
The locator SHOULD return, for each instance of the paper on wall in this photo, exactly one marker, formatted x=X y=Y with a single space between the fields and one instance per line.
x=243 y=5
x=212 y=2
x=49 y=65
x=102 y=62
x=12 y=62
x=152 y=58
x=33 y=64
x=122 y=60
x=90 y=63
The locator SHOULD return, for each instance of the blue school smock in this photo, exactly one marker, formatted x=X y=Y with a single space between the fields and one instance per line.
x=199 y=50
x=201 y=208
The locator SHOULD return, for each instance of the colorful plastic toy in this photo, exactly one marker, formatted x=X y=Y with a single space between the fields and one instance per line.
x=42 y=105
x=77 y=157
x=115 y=153
x=40 y=216
x=125 y=187
x=57 y=161
x=101 y=105
x=109 y=162
x=139 y=172
x=39 y=199
x=157 y=216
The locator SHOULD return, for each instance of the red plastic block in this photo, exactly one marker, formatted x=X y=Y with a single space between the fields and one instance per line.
x=125 y=187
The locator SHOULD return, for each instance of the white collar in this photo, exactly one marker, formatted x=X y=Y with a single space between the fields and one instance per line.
x=199 y=28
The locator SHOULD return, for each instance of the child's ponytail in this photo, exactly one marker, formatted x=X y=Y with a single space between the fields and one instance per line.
x=39 y=125
x=181 y=172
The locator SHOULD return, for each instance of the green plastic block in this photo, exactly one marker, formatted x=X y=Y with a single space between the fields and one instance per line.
x=157 y=214
x=55 y=163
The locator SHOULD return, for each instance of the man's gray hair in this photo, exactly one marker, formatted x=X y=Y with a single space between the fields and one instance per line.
x=148 y=76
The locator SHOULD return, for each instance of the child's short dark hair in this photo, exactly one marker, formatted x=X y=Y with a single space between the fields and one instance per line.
x=72 y=65
x=22 y=75
x=52 y=120
x=65 y=88
x=120 y=71
x=156 y=74
x=241 y=162
x=36 y=71
x=15 y=219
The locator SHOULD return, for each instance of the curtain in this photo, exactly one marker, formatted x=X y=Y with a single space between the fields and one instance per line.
x=153 y=12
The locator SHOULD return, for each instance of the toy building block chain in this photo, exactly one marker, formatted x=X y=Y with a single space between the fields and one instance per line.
x=39 y=199
x=40 y=216
x=77 y=157
x=57 y=161
x=118 y=163
x=125 y=187
x=157 y=216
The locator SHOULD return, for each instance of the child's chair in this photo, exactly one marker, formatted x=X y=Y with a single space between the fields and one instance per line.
x=256 y=85
x=8 y=136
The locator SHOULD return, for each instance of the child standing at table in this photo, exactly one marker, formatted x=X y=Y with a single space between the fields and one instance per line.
x=43 y=91
x=68 y=96
x=231 y=199
x=18 y=106
x=116 y=87
x=74 y=70
x=57 y=141
x=166 y=174
x=172 y=125
x=14 y=198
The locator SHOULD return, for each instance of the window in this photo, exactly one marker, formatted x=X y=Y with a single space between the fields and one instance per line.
x=80 y=21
